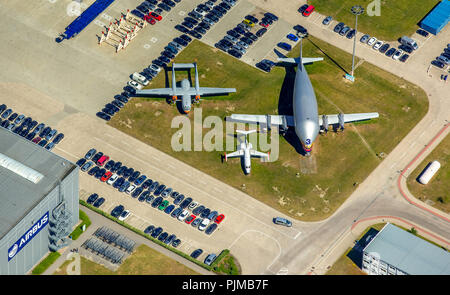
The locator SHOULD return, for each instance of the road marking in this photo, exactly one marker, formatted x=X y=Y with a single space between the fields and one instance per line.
x=155 y=158
x=296 y=236
x=182 y=13
x=421 y=134
x=64 y=151
x=154 y=39
x=217 y=189
x=393 y=164
x=147 y=46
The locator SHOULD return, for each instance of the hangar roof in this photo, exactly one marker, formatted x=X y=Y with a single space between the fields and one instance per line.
x=408 y=252
x=28 y=173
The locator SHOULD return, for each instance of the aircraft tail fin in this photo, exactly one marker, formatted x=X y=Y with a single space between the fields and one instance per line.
x=300 y=59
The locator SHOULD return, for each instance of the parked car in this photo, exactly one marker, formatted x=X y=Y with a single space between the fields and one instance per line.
x=384 y=48
x=157 y=232
x=92 y=198
x=124 y=215
x=404 y=57
x=186 y=203
x=149 y=229
x=292 y=37
x=303 y=8
x=219 y=218
x=308 y=10
x=163 y=205
x=372 y=41
x=284 y=46
x=326 y=21
x=397 y=54
x=338 y=27
x=211 y=228
x=99 y=202
x=210 y=258
x=282 y=221
x=196 y=222
x=190 y=218
x=196 y=253
x=377 y=45
x=422 y=32
x=117 y=211
x=202 y=226
x=390 y=52
x=184 y=214
x=175 y=213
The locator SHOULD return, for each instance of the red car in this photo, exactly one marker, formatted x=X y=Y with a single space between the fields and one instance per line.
x=150 y=19
x=102 y=160
x=155 y=16
x=190 y=219
x=106 y=176
x=219 y=218
x=36 y=140
x=308 y=10
x=265 y=25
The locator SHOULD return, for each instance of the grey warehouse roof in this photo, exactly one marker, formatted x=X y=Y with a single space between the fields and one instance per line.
x=19 y=194
x=409 y=253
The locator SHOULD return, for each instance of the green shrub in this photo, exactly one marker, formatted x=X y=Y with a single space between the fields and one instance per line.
x=45 y=263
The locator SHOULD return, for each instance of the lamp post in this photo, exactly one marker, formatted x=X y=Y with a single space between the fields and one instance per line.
x=356 y=10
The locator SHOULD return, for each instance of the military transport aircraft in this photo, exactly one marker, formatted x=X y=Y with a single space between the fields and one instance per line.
x=187 y=93
x=305 y=120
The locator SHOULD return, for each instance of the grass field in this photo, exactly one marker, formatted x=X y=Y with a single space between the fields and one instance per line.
x=79 y=229
x=341 y=160
x=397 y=17
x=437 y=191
x=143 y=261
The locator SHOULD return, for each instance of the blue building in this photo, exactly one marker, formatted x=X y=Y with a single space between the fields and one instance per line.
x=438 y=18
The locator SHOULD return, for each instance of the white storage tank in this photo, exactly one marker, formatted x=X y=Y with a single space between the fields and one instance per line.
x=429 y=172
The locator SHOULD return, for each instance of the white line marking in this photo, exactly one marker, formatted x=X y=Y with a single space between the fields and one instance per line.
x=155 y=158
x=296 y=236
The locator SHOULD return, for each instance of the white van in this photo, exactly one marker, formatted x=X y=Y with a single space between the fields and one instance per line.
x=139 y=78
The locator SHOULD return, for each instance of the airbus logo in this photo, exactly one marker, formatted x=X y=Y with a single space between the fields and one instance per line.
x=13 y=251
x=28 y=236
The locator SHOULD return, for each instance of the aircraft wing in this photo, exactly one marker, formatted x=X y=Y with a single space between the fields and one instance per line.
x=156 y=92
x=254 y=153
x=262 y=119
x=334 y=119
x=235 y=154
x=211 y=90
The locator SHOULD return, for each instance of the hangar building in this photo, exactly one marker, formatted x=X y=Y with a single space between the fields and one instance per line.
x=38 y=203
x=437 y=19
x=394 y=251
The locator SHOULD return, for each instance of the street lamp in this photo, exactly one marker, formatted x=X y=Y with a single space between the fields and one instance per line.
x=356 y=10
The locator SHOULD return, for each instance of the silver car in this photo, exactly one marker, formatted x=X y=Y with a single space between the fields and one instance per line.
x=86 y=166
x=90 y=154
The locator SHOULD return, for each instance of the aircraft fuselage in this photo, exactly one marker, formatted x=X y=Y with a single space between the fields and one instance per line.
x=306 y=117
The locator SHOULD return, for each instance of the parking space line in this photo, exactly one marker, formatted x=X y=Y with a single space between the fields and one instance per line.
x=194 y=188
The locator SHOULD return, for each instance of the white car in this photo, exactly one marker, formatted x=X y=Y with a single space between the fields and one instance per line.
x=134 y=84
x=155 y=68
x=203 y=13
x=371 y=41
x=397 y=54
x=192 y=205
x=112 y=179
x=378 y=45
x=183 y=215
x=130 y=189
x=124 y=215
x=204 y=224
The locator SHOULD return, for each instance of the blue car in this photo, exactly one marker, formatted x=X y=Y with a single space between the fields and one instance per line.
x=140 y=180
x=284 y=46
x=169 y=209
x=292 y=37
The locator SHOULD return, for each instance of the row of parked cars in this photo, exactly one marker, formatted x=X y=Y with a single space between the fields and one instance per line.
x=204 y=16
x=237 y=40
x=442 y=60
x=400 y=53
x=150 y=11
x=28 y=128
x=137 y=185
